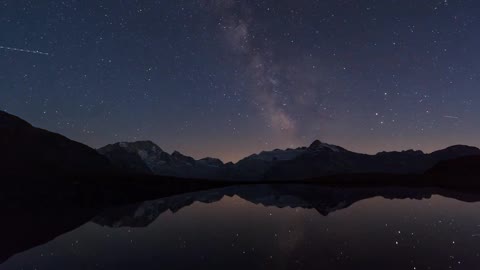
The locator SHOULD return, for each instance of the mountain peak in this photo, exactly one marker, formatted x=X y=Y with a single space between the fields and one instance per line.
x=315 y=144
x=212 y=161
x=456 y=151
x=460 y=147
x=318 y=145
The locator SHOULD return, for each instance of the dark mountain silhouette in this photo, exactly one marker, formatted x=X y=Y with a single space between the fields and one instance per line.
x=464 y=171
x=317 y=162
x=27 y=150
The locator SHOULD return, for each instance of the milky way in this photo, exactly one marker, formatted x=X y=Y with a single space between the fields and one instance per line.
x=228 y=78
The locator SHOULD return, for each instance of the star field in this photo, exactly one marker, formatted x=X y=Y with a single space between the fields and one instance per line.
x=227 y=78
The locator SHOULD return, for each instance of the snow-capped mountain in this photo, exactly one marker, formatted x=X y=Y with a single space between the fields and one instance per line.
x=27 y=150
x=147 y=157
x=260 y=166
x=325 y=161
x=317 y=160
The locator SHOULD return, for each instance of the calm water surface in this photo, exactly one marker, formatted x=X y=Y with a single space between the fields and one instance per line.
x=262 y=230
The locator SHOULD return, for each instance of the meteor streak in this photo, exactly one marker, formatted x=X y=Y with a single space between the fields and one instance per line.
x=23 y=50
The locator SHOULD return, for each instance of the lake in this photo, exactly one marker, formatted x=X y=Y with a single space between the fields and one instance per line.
x=262 y=227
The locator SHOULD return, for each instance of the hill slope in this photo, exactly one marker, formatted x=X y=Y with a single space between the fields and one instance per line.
x=26 y=150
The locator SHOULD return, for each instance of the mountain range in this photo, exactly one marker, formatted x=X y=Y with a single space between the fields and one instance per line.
x=317 y=160
x=27 y=150
x=131 y=183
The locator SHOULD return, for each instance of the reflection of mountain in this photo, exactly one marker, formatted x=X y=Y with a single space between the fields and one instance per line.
x=144 y=213
x=40 y=213
x=325 y=200
x=27 y=226
x=36 y=212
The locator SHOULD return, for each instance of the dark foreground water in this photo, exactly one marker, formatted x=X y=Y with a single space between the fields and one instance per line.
x=268 y=227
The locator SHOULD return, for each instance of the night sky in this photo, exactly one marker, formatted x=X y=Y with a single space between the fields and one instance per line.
x=228 y=78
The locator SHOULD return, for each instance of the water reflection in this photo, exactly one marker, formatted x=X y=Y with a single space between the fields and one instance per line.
x=258 y=227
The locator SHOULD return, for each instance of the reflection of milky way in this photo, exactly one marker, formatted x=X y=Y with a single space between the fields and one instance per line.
x=268 y=228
